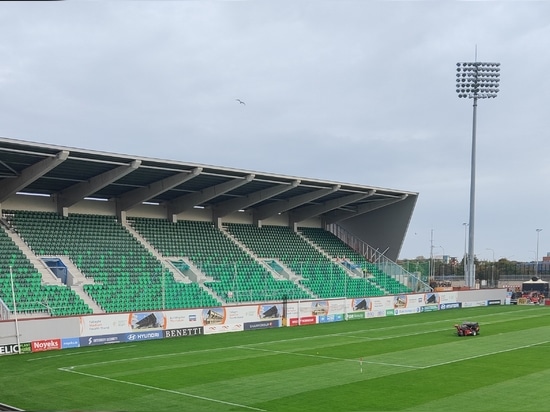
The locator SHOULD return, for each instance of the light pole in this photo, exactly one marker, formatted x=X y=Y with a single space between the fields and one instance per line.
x=442 y=262
x=492 y=268
x=475 y=81
x=537 y=257
x=464 y=258
x=431 y=271
x=465 y=237
x=15 y=313
x=163 y=288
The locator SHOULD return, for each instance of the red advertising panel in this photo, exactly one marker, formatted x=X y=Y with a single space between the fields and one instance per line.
x=43 y=345
x=305 y=320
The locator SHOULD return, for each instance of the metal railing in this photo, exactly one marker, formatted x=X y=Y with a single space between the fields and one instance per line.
x=383 y=263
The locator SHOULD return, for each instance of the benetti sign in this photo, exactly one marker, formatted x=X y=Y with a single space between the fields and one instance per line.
x=176 y=333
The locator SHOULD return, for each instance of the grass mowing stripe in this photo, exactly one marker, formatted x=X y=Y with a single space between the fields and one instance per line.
x=204 y=398
x=399 y=390
x=279 y=369
x=308 y=338
x=487 y=354
x=328 y=338
x=466 y=348
x=326 y=375
x=329 y=342
x=489 y=397
x=326 y=357
x=265 y=387
x=172 y=360
x=63 y=354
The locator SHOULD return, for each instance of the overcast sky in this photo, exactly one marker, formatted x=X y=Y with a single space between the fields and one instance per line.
x=359 y=92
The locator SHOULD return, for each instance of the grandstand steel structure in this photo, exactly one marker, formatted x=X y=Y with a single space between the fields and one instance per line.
x=36 y=177
x=69 y=176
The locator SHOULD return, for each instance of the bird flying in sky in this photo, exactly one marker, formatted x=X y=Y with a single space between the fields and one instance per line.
x=240 y=101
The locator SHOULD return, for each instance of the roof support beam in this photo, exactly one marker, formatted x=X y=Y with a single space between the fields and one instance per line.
x=137 y=196
x=188 y=202
x=10 y=186
x=301 y=214
x=79 y=191
x=338 y=216
x=229 y=206
x=275 y=208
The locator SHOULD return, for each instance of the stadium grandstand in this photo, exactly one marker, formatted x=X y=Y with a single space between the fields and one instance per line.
x=87 y=232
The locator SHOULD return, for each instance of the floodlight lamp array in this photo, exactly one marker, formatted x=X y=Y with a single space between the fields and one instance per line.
x=477 y=80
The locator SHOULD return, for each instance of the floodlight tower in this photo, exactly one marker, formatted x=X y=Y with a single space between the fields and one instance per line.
x=475 y=81
x=537 y=257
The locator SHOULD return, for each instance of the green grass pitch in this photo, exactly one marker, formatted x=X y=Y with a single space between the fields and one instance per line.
x=402 y=363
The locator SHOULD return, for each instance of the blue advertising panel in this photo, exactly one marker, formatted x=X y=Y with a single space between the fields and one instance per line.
x=137 y=336
x=102 y=339
x=337 y=317
x=67 y=343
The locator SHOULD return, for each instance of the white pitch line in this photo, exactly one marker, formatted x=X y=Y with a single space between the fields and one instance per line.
x=401 y=365
x=424 y=331
x=162 y=389
x=342 y=334
x=252 y=346
x=297 y=354
x=485 y=354
x=78 y=353
x=452 y=320
x=331 y=357
x=162 y=355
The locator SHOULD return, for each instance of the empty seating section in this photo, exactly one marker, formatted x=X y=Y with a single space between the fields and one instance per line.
x=339 y=250
x=31 y=296
x=127 y=277
x=237 y=276
x=319 y=274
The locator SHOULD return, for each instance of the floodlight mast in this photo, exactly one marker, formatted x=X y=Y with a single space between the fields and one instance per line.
x=475 y=81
